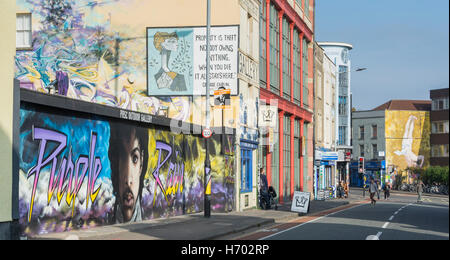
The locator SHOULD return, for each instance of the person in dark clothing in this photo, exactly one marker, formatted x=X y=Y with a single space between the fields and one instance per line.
x=264 y=189
x=419 y=191
x=340 y=190
x=387 y=190
x=373 y=188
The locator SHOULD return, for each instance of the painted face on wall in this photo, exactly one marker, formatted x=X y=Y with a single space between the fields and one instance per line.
x=130 y=170
x=170 y=44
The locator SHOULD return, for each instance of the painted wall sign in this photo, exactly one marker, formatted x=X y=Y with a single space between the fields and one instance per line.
x=248 y=68
x=268 y=116
x=176 y=60
x=329 y=156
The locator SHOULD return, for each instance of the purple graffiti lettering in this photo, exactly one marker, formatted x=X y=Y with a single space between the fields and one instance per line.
x=68 y=171
x=93 y=175
x=175 y=174
x=45 y=136
x=161 y=146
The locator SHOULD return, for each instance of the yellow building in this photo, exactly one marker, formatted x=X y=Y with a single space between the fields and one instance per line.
x=407 y=135
x=391 y=138
x=407 y=138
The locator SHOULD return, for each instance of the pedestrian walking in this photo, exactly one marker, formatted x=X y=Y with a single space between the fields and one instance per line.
x=264 y=200
x=387 y=190
x=373 y=188
x=378 y=188
x=419 y=191
x=364 y=186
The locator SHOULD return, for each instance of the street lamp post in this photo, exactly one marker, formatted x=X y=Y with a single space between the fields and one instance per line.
x=207 y=180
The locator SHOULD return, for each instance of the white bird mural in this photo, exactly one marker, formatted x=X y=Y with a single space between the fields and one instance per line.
x=412 y=159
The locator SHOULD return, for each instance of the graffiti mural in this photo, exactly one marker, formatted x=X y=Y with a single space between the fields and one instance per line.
x=407 y=138
x=76 y=51
x=79 y=171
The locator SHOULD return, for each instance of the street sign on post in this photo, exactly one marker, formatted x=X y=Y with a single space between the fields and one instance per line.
x=207 y=179
x=207 y=133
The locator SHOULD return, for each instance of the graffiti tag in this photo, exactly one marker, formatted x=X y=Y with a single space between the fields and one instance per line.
x=175 y=174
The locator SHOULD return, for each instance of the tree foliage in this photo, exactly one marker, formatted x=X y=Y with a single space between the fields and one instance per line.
x=432 y=175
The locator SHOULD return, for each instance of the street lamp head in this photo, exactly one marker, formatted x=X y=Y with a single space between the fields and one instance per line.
x=361 y=69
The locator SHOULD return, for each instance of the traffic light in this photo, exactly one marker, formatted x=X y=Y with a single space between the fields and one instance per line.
x=361 y=164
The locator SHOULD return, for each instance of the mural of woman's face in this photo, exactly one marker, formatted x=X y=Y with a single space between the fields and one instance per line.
x=170 y=44
x=130 y=170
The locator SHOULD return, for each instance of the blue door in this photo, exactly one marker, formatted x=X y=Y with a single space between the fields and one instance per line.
x=246 y=170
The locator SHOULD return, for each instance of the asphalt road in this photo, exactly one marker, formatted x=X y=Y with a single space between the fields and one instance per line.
x=398 y=218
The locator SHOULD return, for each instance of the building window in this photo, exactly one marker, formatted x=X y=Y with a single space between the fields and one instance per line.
x=305 y=72
x=439 y=104
x=342 y=135
x=262 y=43
x=23 y=31
x=250 y=35
x=287 y=150
x=361 y=133
x=274 y=50
x=374 y=131
x=374 y=151
x=343 y=80
x=297 y=69
x=286 y=59
x=342 y=105
x=361 y=150
x=246 y=170
x=440 y=150
x=307 y=8
x=440 y=127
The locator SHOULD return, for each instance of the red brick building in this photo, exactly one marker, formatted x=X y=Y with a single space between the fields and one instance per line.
x=286 y=77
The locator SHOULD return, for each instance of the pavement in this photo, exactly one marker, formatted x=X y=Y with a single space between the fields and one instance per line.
x=197 y=227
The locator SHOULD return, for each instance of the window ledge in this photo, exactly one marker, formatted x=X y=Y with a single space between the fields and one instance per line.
x=24 y=48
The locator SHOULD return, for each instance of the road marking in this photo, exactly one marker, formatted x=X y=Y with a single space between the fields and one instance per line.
x=72 y=237
x=376 y=237
x=316 y=219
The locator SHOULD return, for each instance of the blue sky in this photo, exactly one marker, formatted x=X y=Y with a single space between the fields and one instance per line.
x=404 y=44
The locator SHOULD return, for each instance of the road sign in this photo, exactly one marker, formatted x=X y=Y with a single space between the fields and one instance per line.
x=300 y=202
x=207 y=133
x=222 y=98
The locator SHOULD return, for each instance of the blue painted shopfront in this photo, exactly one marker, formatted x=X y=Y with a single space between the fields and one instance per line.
x=247 y=148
